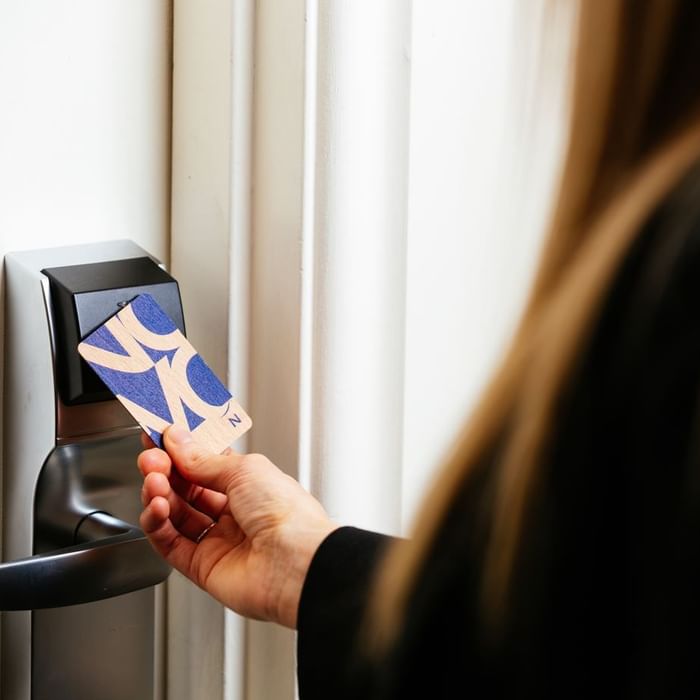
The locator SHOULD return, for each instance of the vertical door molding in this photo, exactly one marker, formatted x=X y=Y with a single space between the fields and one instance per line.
x=359 y=251
x=275 y=284
x=211 y=184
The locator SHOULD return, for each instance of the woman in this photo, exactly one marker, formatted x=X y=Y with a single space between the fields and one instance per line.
x=558 y=552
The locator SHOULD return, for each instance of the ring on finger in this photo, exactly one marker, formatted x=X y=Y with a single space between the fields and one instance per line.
x=204 y=532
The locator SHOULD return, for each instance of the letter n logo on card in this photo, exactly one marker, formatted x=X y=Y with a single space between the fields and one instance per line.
x=149 y=365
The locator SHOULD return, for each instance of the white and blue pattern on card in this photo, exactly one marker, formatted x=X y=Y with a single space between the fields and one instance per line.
x=154 y=371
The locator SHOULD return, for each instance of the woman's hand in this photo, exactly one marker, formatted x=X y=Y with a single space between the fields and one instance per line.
x=234 y=524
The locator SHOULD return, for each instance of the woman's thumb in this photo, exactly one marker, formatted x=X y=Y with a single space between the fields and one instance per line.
x=196 y=463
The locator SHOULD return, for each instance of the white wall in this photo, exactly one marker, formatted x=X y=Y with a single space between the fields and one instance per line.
x=487 y=127
x=84 y=127
x=359 y=122
x=459 y=94
x=84 y=124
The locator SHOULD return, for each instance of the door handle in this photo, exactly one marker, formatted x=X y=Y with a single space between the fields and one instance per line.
x=111 y=557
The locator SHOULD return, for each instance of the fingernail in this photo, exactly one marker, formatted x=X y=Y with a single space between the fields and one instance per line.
x=179 y=435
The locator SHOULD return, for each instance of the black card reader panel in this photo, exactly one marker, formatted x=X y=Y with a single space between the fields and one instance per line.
x=83 y=297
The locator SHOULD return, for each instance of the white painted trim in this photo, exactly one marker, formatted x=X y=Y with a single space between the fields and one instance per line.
x=242 y=29
x=307 y=246
x=276 y=287
x=211 y=183
x=360 y=260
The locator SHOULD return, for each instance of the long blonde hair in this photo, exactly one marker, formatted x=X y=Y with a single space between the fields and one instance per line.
x=634 y=132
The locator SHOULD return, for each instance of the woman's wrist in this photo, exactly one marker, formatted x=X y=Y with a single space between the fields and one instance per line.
x=305 y=543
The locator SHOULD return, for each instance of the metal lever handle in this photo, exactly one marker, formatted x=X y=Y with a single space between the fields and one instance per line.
x=114 y=558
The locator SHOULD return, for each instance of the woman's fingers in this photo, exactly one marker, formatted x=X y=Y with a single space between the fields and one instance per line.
x=154 y=460
x=182 y=550
x=187 y=520
x=209 y=502
x=199 y=466
x=171 y=544
x=155 y=513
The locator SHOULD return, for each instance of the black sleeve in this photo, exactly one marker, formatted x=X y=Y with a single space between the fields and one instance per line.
x=609 y=569
x=331 y=613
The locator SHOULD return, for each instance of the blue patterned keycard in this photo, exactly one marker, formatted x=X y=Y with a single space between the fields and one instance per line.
x=149 y=365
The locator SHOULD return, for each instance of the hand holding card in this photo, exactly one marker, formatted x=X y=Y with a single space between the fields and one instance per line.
x=154 y=371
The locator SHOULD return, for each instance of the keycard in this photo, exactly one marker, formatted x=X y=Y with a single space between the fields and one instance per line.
x=154 y=371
